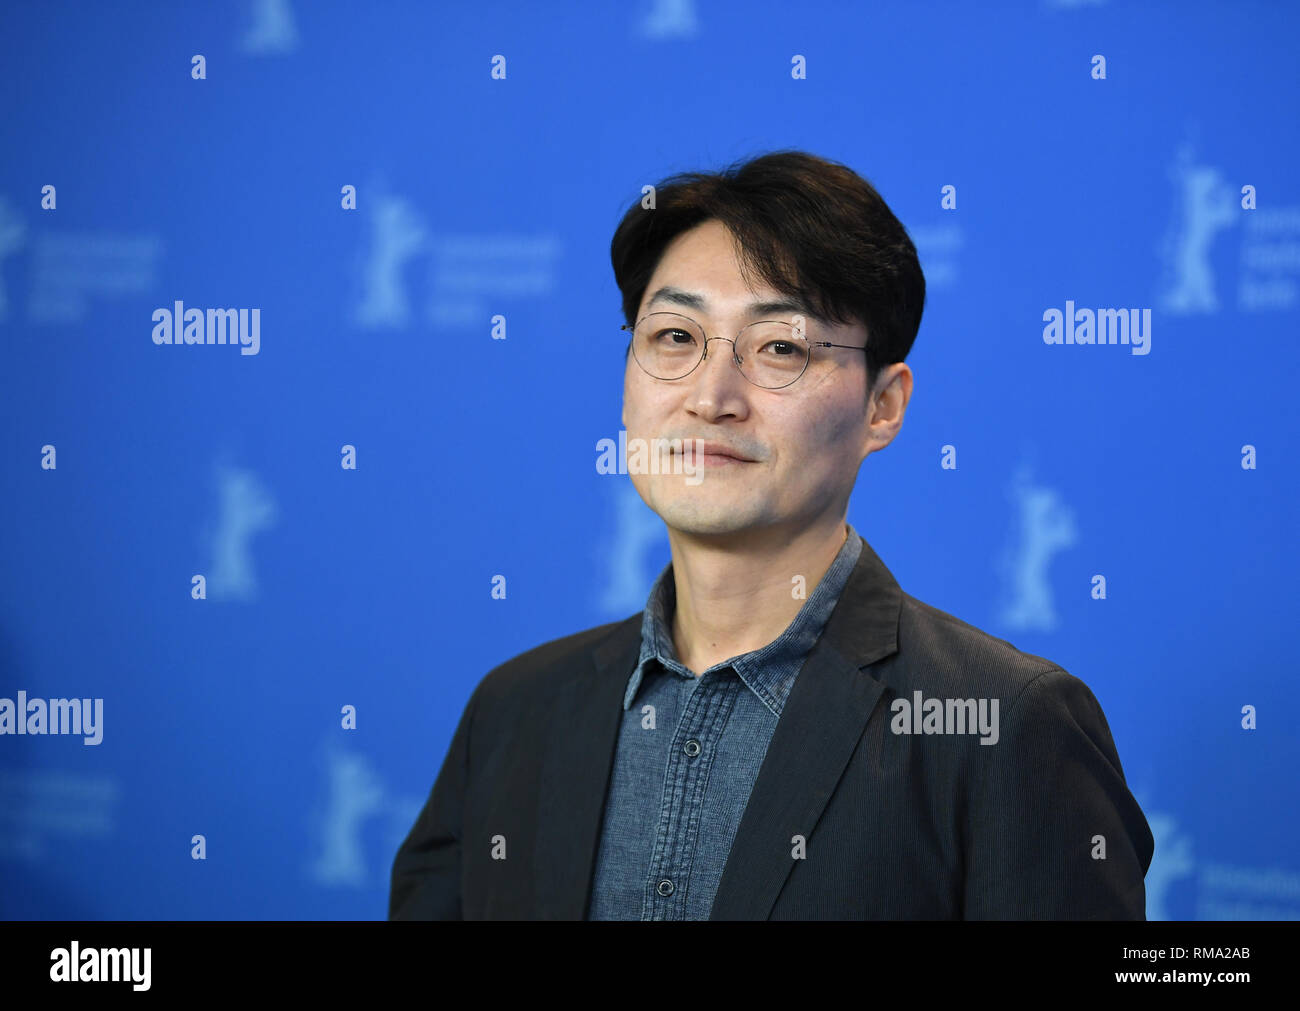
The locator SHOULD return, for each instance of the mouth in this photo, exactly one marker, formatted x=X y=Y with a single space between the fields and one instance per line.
x=711 y=455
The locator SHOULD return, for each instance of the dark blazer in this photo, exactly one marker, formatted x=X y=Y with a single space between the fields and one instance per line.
x=894 y=826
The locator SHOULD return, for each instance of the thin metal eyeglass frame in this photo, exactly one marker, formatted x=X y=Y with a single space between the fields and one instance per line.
x=704 y=352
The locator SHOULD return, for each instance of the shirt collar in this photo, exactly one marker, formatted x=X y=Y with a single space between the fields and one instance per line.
x=769 y=672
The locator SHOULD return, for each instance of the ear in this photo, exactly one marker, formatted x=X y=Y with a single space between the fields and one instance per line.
x=891 y=405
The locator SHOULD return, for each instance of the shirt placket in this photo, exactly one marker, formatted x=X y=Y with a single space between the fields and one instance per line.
x=690 y=758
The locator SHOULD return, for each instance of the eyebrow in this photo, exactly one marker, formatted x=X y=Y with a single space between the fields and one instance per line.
x=693 y=300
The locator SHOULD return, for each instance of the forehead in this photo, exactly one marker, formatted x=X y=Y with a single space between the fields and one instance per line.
x=705 y=253
x=699 y=271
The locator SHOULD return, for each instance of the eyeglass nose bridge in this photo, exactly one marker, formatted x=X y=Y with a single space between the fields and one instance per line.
x=704 y=353
x=735 y=358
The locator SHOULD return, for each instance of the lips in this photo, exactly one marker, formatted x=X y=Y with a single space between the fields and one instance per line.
x=697 y=447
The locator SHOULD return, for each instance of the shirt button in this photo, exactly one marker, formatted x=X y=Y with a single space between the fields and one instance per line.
x=665 y=887
x=692 y=748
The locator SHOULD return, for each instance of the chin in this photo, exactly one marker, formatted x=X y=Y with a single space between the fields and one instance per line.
x=706 y=517
x=700 y=509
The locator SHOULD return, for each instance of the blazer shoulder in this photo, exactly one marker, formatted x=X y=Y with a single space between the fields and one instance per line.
x=939 y=650
x=546 y=666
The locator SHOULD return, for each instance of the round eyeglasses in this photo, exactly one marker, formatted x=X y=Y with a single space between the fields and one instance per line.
x=770 y=353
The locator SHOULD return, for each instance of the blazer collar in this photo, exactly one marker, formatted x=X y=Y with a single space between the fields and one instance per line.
x=830 y=703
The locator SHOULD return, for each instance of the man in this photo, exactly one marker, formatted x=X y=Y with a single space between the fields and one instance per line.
x=782 y=733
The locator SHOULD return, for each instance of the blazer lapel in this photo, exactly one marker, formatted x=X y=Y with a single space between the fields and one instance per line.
x=820 y=726
x=576 y=774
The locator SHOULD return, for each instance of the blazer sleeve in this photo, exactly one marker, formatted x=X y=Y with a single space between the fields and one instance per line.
x=1051 y=786
x=426 y=875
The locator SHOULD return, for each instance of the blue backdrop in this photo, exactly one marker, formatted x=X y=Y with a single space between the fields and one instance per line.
x=1043 y=155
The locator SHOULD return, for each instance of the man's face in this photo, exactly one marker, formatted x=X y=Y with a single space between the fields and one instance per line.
x=804 y=443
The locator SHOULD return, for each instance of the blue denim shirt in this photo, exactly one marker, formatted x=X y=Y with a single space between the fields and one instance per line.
x=684 y=768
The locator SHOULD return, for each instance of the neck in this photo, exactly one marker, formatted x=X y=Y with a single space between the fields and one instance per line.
x=737 y=595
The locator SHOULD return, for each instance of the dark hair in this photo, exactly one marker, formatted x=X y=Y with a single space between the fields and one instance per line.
x=811 y=228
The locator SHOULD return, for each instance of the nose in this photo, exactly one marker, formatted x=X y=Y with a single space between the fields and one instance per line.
x=717 y=386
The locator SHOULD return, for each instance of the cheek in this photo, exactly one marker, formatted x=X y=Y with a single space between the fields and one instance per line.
x=841 y=429
x=631 y=402
x=641 y=405
x=631 y=413
x=820 y=444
